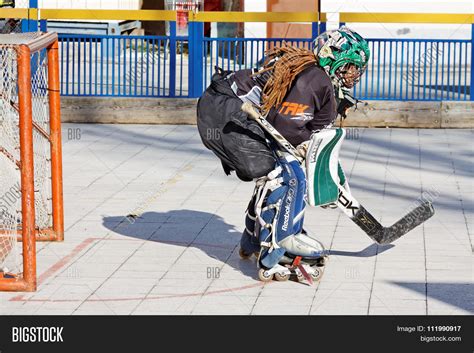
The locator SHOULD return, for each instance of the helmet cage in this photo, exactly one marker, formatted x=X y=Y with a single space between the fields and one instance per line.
x=338 y=50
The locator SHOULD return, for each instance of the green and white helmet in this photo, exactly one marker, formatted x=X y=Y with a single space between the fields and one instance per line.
x=337 y=50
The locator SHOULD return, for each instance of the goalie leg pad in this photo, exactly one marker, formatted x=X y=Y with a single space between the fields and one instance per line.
x=322 y=167
x=281 y=210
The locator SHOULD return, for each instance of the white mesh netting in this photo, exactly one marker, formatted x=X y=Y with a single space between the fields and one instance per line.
x=41 y=145
x=9 y=160
x=12 y=25
x=10 y=195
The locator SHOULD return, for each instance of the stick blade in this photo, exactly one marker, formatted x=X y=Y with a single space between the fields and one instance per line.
x=411 y=220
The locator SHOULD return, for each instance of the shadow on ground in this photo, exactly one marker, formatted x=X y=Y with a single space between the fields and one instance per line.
x=187 y=228
x=201 y=230
x=460 y=295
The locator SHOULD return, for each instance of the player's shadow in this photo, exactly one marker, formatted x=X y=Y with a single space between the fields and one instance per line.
x=189 y=229
x=205 y=231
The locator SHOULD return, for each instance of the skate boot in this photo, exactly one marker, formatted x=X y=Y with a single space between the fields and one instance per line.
x=249 y=245
x=304 y=258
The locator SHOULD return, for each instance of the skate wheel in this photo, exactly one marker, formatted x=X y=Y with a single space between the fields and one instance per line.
x=243 y=254
x=317 y=274
x=300 y=278
x=281 y=277
x=264 y=276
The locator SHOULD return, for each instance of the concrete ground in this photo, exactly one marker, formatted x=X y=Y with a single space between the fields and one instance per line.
x=181 y=255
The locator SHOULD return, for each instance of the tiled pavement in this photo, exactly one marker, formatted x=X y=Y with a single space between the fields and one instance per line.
x=181 y=255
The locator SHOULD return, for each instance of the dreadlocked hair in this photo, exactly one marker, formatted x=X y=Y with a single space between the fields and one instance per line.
x=282 y=65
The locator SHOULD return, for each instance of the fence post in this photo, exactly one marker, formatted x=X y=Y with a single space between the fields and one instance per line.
x=30 y=25
x=172 y=78
x=472 y=60
x=322 y=27
x=314 y=30
x=191 y=42
x=43 y=26
x=196 y=39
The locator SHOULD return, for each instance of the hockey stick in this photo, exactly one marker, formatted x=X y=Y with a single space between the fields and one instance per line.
x=248 y=108
x=378 y=233
x=348 y=204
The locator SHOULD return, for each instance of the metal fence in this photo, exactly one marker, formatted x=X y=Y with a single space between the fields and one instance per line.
x=241 y=53
x=171 y=66
x=418 y=70
x=122 y=66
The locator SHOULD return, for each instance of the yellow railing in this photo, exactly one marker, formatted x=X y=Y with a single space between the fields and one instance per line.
x=141 y=15
x=220 y=16
x=227 y=16
x=13 y=13
x=405 y=18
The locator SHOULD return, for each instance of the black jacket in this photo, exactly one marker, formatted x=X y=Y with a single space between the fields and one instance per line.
x=309 y=105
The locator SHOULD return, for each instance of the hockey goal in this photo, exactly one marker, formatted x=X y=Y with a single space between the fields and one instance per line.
x=31 y=199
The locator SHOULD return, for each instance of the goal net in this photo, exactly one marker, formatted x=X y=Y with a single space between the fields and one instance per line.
x=12 y=24
x=30 y=154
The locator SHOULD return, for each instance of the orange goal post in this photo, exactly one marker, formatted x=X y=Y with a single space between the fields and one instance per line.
x=31 y=194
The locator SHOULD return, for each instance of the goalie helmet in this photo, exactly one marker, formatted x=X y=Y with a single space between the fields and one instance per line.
x=344 y=55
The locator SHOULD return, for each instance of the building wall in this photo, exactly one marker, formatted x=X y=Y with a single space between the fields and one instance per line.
x=388 y=30
x=231 y=30
x=258 y=30
x=211 y=5
x=402 y=30
x=290 y=30
x=255 y=29
x=153 y=27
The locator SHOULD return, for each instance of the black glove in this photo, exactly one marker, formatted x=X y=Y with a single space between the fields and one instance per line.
x=345 y=103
